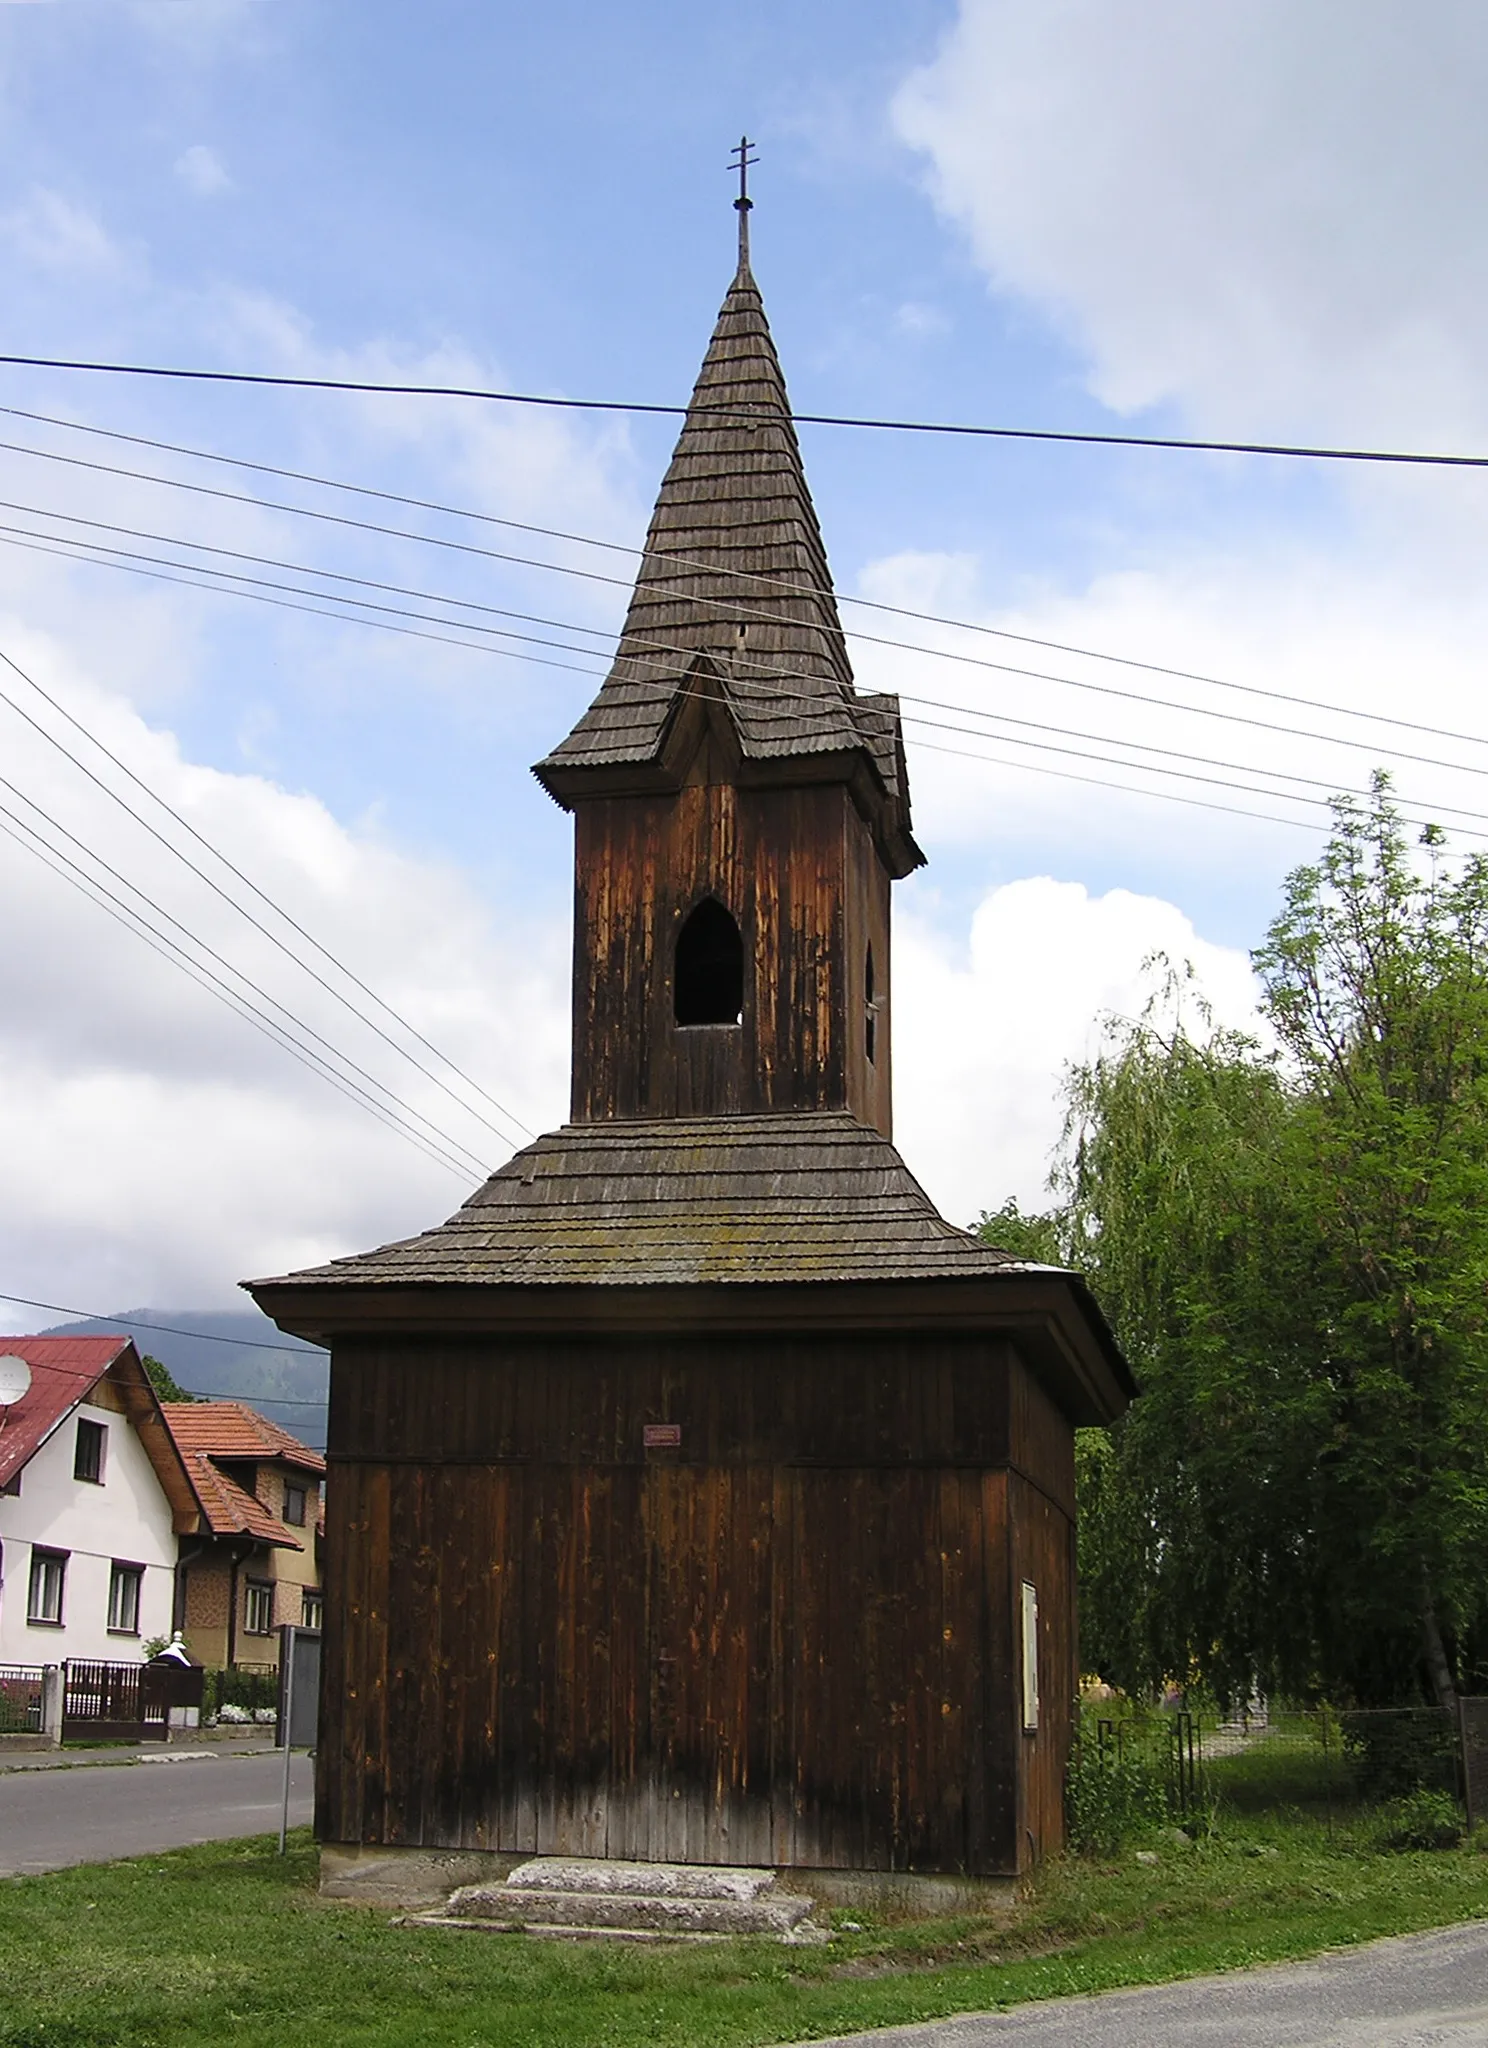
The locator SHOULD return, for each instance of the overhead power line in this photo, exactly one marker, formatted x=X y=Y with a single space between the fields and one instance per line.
x=679 y=563
x=88 y=1315
x=78 y=551
x=960 y=429
x=290 y=1035
x=667 y=649
x=242 y=911
x=768 y=677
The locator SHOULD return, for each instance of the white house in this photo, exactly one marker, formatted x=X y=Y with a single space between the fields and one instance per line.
x=93 y=1495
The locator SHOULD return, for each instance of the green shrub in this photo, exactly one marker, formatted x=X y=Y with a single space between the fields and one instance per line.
x=1394 y=1752
x=1424 y=1819
x=247 y=1689
x=1111 y=1798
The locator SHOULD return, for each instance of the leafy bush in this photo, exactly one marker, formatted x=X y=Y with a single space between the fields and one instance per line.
x=1110 y=1798
x=1393 y=1752
x=1422 y=1820
x=246 y=1689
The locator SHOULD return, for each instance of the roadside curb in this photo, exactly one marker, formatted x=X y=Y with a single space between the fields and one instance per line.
x=104 y=1759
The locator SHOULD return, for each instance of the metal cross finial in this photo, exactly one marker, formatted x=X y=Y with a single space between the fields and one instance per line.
x=740 y=160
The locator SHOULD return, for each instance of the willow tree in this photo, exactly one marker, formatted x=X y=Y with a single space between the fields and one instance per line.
x=1290 y=1235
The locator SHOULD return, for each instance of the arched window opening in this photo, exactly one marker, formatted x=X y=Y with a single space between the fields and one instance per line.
x=708 y=982
x=870 y=1008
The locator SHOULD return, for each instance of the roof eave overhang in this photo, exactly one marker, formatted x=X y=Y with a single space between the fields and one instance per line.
x=1052 y=1317
x=570 y=783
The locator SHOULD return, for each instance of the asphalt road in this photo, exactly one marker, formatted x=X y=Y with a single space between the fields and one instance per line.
x=1419 y=1991
x=52 y=1818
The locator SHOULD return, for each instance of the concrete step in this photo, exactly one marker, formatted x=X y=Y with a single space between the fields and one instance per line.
x=780 y=1913
x=612 y=1877
x=632 y=1901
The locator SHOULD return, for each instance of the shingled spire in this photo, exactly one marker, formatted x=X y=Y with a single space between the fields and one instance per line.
x=734 y=593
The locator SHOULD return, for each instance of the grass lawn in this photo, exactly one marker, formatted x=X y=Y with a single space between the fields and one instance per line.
x=230 y=1944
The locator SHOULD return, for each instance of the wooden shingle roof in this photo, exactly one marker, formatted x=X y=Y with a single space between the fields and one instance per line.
x=742 y=1201
x=734 y=593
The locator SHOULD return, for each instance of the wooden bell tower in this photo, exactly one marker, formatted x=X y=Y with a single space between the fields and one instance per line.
x=740 y=811
x=697 y=1492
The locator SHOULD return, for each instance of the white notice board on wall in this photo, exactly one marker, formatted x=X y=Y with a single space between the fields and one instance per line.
x=1030 y=1658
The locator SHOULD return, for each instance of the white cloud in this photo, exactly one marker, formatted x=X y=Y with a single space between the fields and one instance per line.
x=52 y=233
x=983 y=1030
x=156 y=1147
x=202 y=171
x=1399 y=639
x=919 y=321
x=1267 y=210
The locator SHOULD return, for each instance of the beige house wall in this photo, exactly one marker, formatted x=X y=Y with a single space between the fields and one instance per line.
x=287 y=1573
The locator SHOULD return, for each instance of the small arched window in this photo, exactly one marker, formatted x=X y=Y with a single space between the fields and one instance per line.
x=870 y=1008
x=708 y=981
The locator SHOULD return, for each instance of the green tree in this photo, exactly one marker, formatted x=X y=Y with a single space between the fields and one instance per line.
x=1039 y=1238
x=1291 y=1240
x=1176 y=1208
x=161 y=1379
x=1376 y=980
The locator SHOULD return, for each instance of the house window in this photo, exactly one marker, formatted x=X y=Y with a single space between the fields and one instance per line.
x=708 y=981
x=48 y=1583
x=124 y=1599
x=258 y=1608
x=294 y=1505
x=1030 y=1660
x=87 y=1458
x=312 y=1607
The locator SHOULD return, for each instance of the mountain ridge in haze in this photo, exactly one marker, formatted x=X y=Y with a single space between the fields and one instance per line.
x=228 y=1354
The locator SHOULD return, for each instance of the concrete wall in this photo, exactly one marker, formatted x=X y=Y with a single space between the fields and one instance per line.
x=126 y=1518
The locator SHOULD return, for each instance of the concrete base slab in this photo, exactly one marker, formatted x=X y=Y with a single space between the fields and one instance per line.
x=906 y=1894
x=405 y=1880
x=421 y=1880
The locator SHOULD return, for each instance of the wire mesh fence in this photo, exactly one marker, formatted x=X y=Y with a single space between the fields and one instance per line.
x=1412 y=1773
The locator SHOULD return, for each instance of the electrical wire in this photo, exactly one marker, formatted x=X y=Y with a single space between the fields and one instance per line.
x=775 y=675
x=910 y=719
x=674 y=561
x=88 y=1315
x=226 y=897
x=16 y=829
x=262 y=379
x=433 y=1145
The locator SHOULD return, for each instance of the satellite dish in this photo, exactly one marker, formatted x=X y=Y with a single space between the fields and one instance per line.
x=15 y=1378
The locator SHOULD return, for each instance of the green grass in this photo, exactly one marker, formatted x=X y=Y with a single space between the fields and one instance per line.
x=230 y=1944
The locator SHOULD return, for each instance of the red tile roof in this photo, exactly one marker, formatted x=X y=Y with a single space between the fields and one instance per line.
x=211 y=1435
x=231 y=1429
x=229 y=1510
x=64 y=1371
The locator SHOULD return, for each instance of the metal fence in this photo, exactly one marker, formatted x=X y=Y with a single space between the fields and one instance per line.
x=1330 y=1765
x=20 y=1699
x=104 y=1702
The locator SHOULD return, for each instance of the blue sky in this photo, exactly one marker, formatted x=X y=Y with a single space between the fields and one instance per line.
x=1206 y=224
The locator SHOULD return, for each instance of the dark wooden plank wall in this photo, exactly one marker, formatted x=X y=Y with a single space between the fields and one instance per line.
x=1042 y=1549
x=789 y=1641
x=1042 y=1521
x=798 y=870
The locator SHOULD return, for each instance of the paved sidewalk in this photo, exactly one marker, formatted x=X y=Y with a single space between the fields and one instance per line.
x=245 y=1742
x=1413 y=1991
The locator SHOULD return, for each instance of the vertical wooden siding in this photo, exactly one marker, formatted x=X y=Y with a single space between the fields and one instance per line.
x=790 y=1642
x=807 y=915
